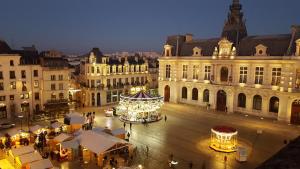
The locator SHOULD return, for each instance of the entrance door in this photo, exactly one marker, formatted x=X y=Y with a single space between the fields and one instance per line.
x=98 y=99
x=295 y=114
x=221 y=100
x=167 y=94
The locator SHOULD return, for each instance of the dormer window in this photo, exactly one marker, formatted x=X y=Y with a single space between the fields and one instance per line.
x=196 y=51
x=261 y=50
x=92 y=58
x=225 y=47
x=168 y=50
x=104 y=60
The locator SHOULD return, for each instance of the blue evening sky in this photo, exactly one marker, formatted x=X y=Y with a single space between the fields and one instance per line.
x=75 y=26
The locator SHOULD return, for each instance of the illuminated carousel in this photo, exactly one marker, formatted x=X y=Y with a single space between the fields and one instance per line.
x=140 y=107
x=223 y=138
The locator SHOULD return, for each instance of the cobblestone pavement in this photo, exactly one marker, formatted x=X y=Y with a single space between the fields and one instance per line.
x=185 y=135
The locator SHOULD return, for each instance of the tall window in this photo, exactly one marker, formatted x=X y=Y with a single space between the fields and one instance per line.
x=98 y=70
x=242 y=100
x=195 y=94
x=257 y=102
x=207 y=72
x=61 y=86
x=195 y=72
x=53 y=86
x=224 y=74
x=1 y=75
x=60 y=77
x=1 y=86
x=274 y=104
x=276 y=75
x=53 y=77
x=13 y=85
x=11 y=62
x=23 y=74
x=206 y=95
x=243 y=74
x=168 y=71
x=184 y=71
x=184 y=93
x=35 y=73
x=12 y=75
x=259 y=75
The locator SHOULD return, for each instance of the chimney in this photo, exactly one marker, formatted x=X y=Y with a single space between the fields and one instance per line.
x=188 y=37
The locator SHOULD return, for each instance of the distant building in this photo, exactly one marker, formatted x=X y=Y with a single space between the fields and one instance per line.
x=104 y=78
x=30 y=83
x=258 y=75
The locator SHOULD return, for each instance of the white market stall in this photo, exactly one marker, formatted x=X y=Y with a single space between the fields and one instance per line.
x=41 y=164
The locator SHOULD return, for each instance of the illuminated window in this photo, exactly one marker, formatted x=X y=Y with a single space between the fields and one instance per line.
x=36 y=83
x=195 y=72
x=243 y=74
x=184 y=71
x=257 y=102
x=207 y=72
x=276 y=76
x=11 y=97
x=259 y=75
x=53 y=96
x=168 y=71
x=13 y=85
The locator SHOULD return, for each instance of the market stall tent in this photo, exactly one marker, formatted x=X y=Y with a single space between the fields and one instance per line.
x=42 y=164
x=24 y=159
x=120 y=133
x=75 y=121
x=62 y=137
x=16 y=152
x=37 y=129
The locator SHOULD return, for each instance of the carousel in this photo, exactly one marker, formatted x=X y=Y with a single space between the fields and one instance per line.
x=140 y=107
x=223 y=138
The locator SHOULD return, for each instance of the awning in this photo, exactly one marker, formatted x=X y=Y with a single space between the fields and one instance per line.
x=118 y=131
x=62 y=137
x=22 y=150
x=42 y=164
x=56 y=125
x=35 y=128
x=98 y=129
x=70 y=144
x=30 y=157
x=76 y=118
x=94 y=142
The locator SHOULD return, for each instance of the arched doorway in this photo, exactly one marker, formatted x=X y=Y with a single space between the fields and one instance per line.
x=224 y=74
x=274 y=104
x=98 y=99
x=295 y=114
x=184 y=93
x=195 y=94
x=221 y=100
x=167 y=94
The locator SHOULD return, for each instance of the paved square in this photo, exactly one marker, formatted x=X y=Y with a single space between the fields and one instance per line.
x=186 y=131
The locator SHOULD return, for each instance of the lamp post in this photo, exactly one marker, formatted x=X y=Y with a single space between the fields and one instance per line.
x=21 y=117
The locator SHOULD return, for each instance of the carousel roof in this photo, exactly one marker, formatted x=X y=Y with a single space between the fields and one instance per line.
x=141 y=95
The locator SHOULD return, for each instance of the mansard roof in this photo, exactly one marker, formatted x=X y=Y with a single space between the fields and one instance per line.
x=277 y=45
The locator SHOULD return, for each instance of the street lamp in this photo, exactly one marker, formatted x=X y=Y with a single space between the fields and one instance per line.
x=21 y=117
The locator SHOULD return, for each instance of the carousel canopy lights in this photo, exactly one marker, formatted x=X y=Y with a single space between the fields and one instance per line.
x=140 y=107
x=223 y=138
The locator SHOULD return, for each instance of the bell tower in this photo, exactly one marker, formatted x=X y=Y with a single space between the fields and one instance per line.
x=235 y=28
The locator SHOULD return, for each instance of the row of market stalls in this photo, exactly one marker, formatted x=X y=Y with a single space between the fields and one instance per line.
x=27 y=157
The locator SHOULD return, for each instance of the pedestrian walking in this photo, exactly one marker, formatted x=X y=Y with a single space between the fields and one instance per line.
x=147 y=150
x=225 y=159
x=191 y=165
x=165 y=118
x=128 y=135
x=226 y=109
x=130 y=125
x=124 y=124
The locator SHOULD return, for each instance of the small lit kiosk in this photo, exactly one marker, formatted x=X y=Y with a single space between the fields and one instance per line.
x=223 y=138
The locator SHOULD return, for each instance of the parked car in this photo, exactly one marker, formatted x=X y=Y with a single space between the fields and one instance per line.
x=6 y=125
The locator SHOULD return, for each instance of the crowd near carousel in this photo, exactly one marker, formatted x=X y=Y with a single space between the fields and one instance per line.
x=140 y=107
x=74 y=138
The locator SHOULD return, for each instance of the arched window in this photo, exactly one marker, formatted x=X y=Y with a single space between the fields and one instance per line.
x=195 y=94
x=206 y=95
x=184 y=93
x=224 y=74
x=274 y=104
x=257 y=102
x=242 y=100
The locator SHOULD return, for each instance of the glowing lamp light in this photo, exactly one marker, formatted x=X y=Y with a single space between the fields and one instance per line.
x=223 y=138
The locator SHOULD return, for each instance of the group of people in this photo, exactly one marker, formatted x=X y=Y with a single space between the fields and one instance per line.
x=89 y=121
